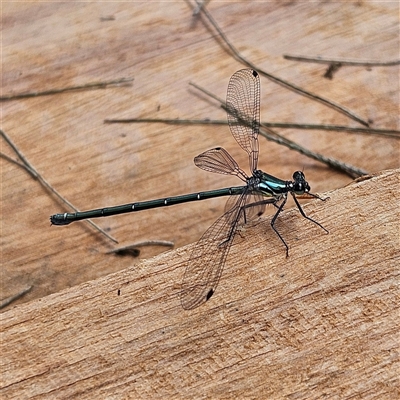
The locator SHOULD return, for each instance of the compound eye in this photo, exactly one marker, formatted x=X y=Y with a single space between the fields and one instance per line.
x=298 y=176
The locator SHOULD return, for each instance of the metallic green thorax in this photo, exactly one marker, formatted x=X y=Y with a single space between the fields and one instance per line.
x=271 y=186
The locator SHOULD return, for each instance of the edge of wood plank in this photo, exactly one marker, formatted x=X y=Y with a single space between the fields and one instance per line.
x=328 y=312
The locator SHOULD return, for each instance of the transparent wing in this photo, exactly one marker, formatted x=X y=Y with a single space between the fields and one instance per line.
x=254 y=206
x=220 y=161
x=243 y=106
x=208 y=257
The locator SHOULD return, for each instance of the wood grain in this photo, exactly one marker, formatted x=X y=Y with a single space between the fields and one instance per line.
x=163 y=48
x=50 y=45
x=323 y=322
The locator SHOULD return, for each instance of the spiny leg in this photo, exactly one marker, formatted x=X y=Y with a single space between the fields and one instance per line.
x=305 y=216
x=280 y=208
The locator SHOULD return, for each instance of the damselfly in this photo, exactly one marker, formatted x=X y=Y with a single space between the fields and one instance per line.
x=246 y=202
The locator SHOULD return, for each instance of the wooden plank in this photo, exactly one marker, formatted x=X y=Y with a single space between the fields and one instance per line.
x=163 y=48
x=323 y=322
x=259 y=331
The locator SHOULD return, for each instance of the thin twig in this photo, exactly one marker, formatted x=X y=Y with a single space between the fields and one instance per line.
x=342 y=61
x=279 y=81
x=9 y=300
x=23 y=166
x=86 y=86
x=273 y=136
x=29 y=167
x=391 y=133
x=197 y=9
x=352 y=171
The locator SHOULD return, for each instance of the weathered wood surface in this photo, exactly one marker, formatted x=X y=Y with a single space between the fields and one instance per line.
x=48 y=45
x=323 y=322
